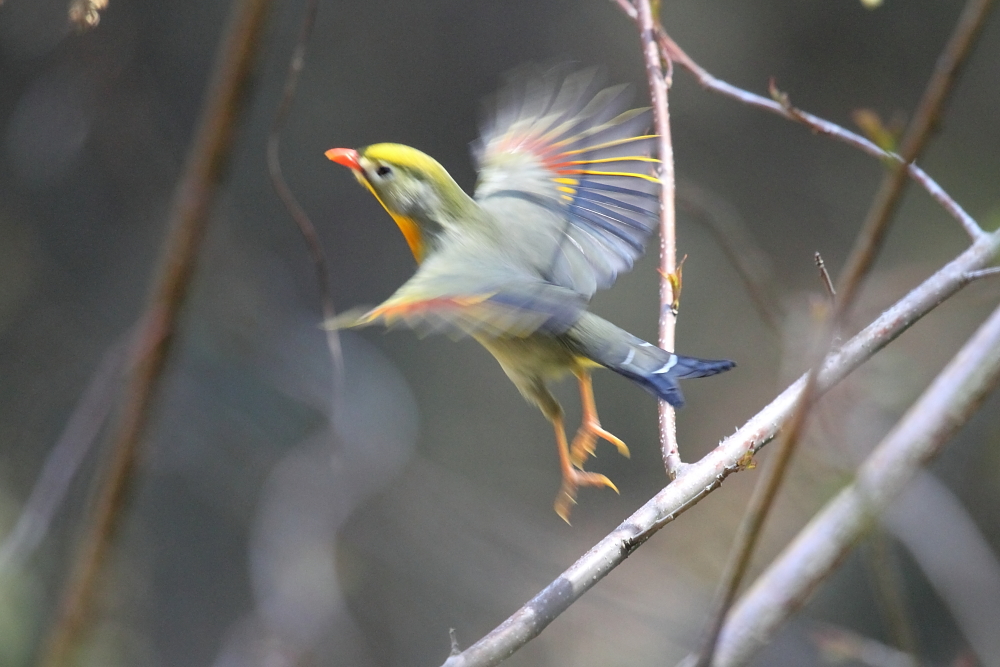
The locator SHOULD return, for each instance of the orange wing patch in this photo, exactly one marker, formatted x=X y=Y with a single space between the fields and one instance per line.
x=488 y=314
x=392 y=312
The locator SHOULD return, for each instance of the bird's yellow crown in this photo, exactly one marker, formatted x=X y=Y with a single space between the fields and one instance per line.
x=407 y=158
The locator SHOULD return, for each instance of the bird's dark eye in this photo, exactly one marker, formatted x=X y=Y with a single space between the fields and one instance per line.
x=383 y=170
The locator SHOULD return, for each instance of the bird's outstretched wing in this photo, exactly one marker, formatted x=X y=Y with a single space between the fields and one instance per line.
x=568 y=174
x=460 y=294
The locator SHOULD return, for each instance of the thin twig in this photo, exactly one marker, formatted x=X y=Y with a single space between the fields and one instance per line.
x=301 y=218
x=704 y=476
x=668 y=223
x=192 y=204
x=824 y=275
x=984 y=273
x=818 y=125
x=818 y=549
x=866 y=247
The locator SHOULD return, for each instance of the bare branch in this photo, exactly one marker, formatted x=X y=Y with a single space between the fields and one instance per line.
x=866 y=248
x=867 y=245
x=916 y=439
x=671 y=50
x=706 y=475
x=668 y=222
x=192 y=204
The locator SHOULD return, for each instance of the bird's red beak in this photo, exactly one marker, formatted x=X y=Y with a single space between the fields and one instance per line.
x=345 y=156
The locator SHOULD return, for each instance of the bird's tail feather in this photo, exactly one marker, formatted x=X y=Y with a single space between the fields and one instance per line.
x=663 y=383
x=653 y=369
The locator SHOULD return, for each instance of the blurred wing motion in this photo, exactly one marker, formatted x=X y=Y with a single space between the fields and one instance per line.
x=568 y=174
x=452 y=293
x=566 y=179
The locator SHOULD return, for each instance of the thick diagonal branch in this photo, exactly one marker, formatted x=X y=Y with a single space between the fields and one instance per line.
x=704 y=476
x=817 y=551
x=866 y=249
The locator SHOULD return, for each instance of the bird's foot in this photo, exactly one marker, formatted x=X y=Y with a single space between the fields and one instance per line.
x=572 y=480
x=585 y=442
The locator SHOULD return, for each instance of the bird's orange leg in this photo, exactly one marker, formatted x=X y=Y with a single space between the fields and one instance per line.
x=573 y=478
x=585 y=443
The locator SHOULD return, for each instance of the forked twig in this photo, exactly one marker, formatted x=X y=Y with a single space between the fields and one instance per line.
x=820 y=126
x=707 y=474
x=704 y=476
x=866 y=247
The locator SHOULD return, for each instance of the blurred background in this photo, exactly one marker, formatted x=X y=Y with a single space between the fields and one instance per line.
x=260 y=533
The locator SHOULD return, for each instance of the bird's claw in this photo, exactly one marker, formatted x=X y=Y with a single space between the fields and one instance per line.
x=571 y=482
x=585 y=443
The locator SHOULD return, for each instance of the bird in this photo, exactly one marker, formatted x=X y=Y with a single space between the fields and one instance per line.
x=567 y=195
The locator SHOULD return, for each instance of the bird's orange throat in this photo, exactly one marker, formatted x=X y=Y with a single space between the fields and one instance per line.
x=411 y=230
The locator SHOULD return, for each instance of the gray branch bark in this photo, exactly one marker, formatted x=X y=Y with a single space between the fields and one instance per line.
x=701 y=478
x=819 y=548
